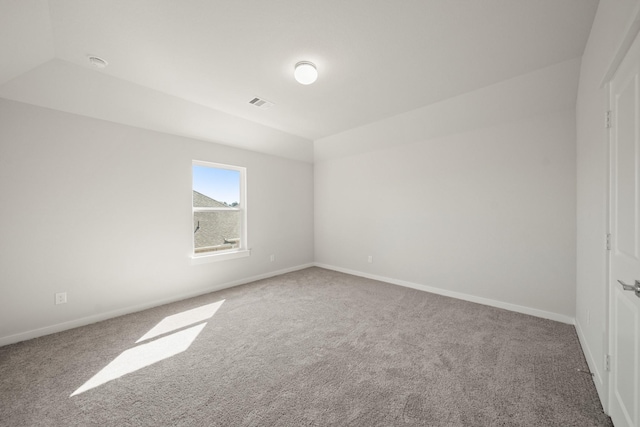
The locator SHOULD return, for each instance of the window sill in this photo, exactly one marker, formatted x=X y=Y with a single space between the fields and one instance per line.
x=207 y=258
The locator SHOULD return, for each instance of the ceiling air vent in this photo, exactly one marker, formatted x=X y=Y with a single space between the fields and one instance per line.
x=261 y=103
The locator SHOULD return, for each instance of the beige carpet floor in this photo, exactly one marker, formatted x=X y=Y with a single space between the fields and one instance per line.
x=308 y=348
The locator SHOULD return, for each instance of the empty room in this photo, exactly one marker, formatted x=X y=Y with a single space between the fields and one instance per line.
x=320 y=213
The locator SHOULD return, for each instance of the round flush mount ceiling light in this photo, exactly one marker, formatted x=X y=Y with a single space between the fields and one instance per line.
x=97 y=61
x=305 y=72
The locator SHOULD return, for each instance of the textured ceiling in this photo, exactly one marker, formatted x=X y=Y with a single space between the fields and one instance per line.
x=376 y=59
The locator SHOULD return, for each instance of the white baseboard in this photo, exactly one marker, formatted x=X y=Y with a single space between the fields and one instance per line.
x=594 y=366
x=35 y=333
x=459 y=295
x=22 y=336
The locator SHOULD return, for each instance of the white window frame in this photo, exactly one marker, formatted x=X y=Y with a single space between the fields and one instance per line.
x=242 y=250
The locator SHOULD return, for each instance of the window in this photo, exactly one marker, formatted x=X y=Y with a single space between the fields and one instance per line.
x=219 y=210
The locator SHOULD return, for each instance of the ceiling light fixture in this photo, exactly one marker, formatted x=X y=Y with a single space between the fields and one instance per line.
x=97 y=61
x=305 y=72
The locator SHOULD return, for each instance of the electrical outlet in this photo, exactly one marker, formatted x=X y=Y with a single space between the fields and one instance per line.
x=370 y=259
x=61 y=298
x=272 y=258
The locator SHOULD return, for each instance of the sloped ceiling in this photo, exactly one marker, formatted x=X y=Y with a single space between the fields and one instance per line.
x=190 y=67
x=26 y=38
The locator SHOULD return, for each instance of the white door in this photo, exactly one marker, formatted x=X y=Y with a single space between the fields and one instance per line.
x=624 y=305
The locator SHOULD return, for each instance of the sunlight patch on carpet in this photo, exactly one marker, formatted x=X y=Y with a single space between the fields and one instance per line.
x=180 y=320
x=154 y=351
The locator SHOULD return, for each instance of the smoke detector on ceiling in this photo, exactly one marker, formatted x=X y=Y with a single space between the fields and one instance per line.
x=261 y=103
x=97 y=62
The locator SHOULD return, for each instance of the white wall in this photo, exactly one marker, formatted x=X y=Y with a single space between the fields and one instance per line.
x=102 y=211
x=486 y=214
x=611 y=21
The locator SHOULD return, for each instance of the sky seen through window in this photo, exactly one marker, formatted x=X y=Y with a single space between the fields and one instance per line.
x=220 y=184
